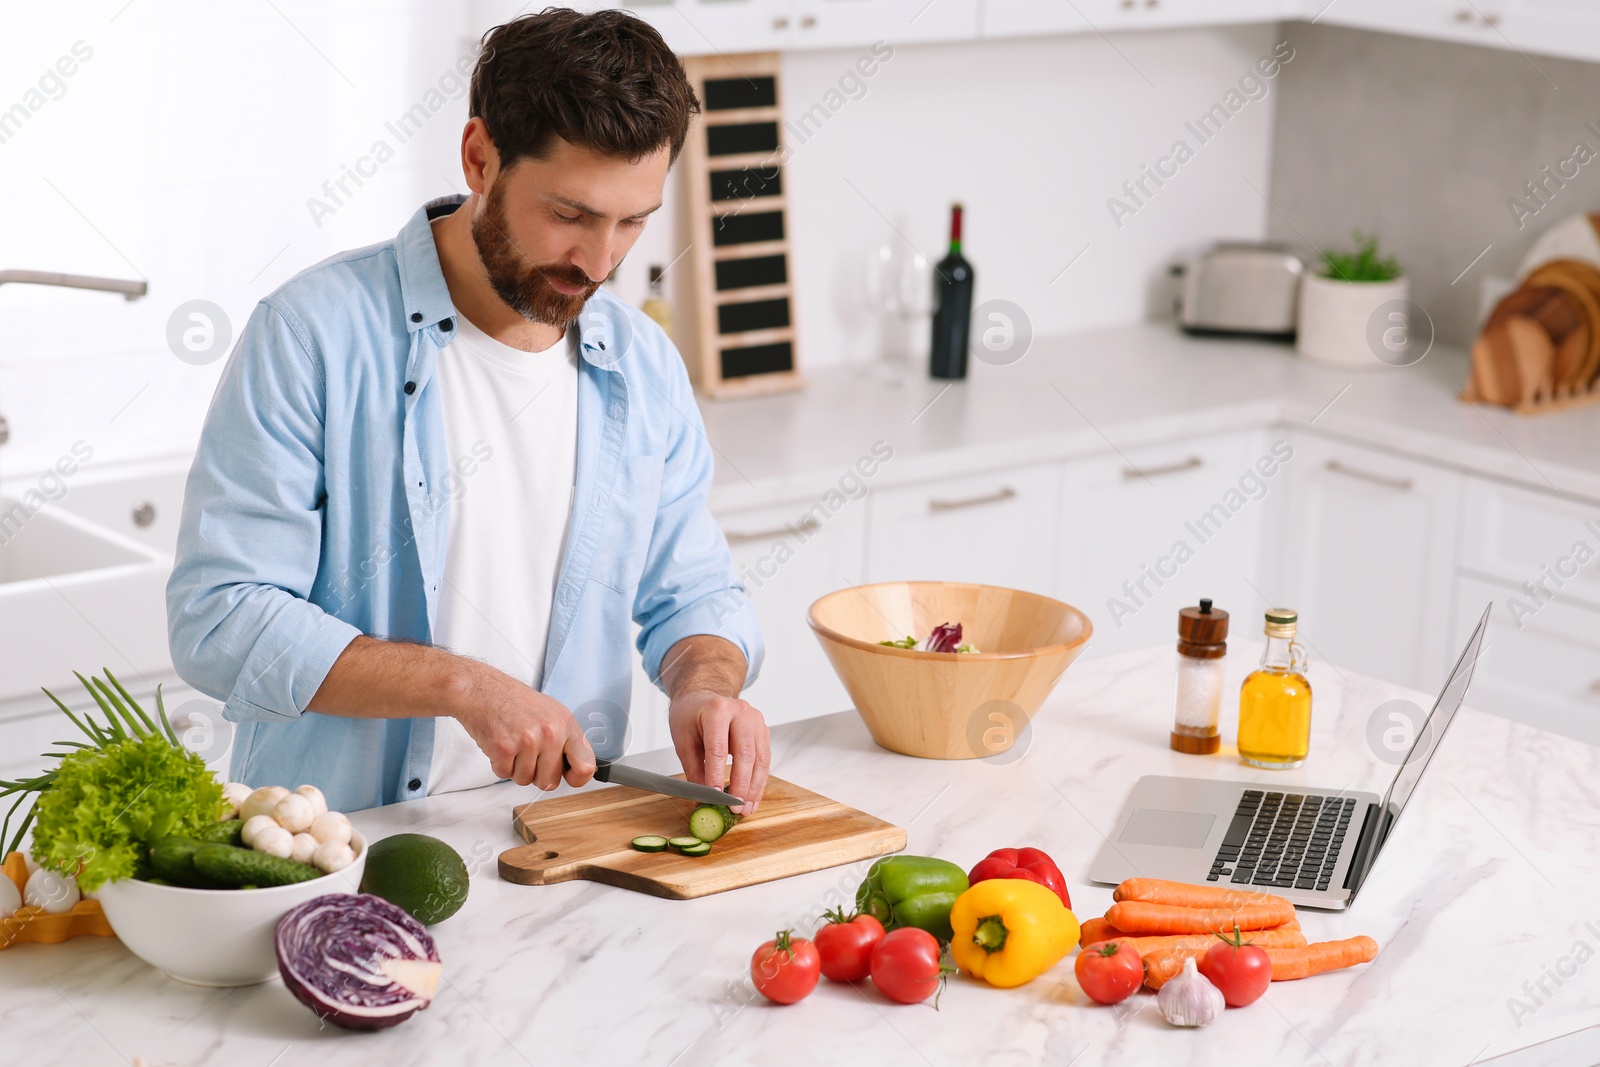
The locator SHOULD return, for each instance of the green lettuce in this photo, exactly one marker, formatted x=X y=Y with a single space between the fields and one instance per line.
x=107 y=807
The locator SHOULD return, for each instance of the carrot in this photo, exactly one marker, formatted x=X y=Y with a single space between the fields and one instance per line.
x=1288 y=963
x=1140 y=918
x=1291 y=963
x=1275 y=937
x=1183 y=895
x=1097 y=930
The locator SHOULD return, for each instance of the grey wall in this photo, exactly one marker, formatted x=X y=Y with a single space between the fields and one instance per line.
x=1424 y=142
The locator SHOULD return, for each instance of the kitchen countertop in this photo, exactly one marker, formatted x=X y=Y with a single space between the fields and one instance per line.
x=1487 y=884
x=1121 y=388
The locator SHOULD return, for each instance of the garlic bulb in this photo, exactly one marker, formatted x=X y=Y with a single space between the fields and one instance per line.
x=319 y=803
x=1190 y=999
x=294 y=813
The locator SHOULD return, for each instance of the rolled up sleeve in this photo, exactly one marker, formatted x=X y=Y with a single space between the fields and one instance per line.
x=239 y=622
x=689 y=586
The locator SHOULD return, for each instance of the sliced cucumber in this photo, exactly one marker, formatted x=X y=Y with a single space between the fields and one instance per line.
x=650 y=843
x=702 y=848
x=710 y=821
x=681 y=843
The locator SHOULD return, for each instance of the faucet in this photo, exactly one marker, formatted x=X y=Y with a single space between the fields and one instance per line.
x=130 y=290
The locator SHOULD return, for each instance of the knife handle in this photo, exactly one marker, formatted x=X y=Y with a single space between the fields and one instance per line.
x=602 y=767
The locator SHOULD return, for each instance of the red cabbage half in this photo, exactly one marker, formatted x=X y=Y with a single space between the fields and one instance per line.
x=357 y=960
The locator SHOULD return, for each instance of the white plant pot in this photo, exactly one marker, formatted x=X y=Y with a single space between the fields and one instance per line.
x=1338 y=322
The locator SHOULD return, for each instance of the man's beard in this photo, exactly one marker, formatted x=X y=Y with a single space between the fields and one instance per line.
x=526 y=289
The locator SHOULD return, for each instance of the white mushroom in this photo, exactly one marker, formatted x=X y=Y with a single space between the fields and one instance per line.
x=262 y=801
x=294 y=813
x=304 y=846
x=319 y=803
x=274 y=841
x=333 y=856
x=331 y=827
x=235 y=794
x=254 y=826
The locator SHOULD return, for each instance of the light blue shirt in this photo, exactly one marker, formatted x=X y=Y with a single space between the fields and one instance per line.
x=318 y=507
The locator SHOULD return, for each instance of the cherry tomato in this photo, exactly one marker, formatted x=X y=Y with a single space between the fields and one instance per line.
x=1241 y=970
x=1109 y=972
x=845 y=945
x=784 y=969
x=905 y=965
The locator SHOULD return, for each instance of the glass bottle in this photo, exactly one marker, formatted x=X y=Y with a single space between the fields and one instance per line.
x=655 y=304
x=1275 y=700
x=1202 y=644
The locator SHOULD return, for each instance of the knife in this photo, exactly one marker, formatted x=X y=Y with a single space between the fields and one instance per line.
x=621 y=774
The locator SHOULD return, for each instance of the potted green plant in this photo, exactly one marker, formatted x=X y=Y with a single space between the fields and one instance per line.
x=1340 y=303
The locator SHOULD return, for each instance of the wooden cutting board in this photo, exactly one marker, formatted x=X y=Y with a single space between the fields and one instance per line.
x=588 y=835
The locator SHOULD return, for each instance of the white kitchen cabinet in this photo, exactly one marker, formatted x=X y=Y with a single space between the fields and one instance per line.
x=1011 y=18
x=1367 y=557
x=1151 y=530
x=860 y=23
x=1548 y=27
x=997 y=528
x=1541 y=668
x=1540 y=544
x=788 y=556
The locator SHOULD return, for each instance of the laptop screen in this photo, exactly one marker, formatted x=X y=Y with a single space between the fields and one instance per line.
x=1433 y=727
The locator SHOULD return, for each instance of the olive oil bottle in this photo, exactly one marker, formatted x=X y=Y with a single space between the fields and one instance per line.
x=1275 y=700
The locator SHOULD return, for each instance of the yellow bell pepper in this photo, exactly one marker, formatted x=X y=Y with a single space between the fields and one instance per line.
x=1009 y=931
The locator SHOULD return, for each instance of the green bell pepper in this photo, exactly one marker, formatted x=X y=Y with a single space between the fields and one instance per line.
x=912 y=891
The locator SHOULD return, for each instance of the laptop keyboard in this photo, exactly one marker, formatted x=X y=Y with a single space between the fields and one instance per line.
x=1285 y=840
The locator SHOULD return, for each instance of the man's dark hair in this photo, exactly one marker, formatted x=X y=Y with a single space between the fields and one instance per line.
x=604 y=81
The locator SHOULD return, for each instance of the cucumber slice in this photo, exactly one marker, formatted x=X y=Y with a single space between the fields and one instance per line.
x=681 y=843
x=703 y=848
x=710 y=821
x=650 y=843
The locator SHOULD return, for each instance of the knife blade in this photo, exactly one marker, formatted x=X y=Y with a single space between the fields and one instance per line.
x=622 y=774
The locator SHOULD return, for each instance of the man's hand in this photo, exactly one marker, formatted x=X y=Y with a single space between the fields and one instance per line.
x=709 y=722
x=525 y=734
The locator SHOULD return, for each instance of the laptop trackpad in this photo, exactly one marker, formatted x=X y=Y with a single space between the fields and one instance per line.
x=1173 y=829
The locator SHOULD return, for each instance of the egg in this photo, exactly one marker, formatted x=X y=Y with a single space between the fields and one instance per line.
x=55 y=893
x=10 y=897
x=319 y=803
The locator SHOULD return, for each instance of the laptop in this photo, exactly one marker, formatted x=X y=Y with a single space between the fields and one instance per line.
x=1313 y=846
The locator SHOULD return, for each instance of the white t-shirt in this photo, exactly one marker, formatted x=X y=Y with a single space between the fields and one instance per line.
x=511 y=423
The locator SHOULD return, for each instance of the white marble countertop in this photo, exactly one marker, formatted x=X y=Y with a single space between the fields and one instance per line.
x=1488 y=883
x=1120 y=388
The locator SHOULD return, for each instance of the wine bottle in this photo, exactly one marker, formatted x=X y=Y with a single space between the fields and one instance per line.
x=952 y=302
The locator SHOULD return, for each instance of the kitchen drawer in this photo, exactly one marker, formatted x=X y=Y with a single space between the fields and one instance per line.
x=1140 y=536
x=997 y=528
x=1541 y=668
x=788 y=556
x=1521 y=535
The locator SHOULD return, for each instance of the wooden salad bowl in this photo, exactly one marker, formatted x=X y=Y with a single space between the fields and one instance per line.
x=950 y=705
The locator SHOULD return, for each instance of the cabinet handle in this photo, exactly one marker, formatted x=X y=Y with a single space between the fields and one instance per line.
x=807 y=21
x=781 y=22
x=1594 y=687
x=1402 y=484
x=1130 y=473
x=809 y=524
x=1005 y=492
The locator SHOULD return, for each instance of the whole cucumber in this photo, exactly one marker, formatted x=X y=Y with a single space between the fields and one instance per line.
x=237 y=867
x=230 y=832
x=172 y=861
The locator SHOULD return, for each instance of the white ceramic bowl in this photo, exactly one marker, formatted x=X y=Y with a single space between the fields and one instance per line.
x=214 y=937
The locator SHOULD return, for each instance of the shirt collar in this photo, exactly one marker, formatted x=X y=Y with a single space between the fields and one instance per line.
x=604 y=330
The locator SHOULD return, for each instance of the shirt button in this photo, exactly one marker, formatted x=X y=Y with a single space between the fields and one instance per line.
x=411 y=387
x=447 y=324
x=416 y=316
x=414 y=785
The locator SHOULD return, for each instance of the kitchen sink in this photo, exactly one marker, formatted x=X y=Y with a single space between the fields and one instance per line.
x=75 y=596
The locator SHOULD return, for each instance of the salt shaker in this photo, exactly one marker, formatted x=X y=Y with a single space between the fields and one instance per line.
x=1202 y=644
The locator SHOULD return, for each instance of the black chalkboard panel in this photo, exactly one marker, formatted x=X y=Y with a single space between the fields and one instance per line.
x=747 y=228
x=726 y=94
x=744 y=137
x=747 y=273
x=757 y=359
x=746 y=183
x=753 y=315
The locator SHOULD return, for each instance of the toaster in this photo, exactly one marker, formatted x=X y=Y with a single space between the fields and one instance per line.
x=1241 y=288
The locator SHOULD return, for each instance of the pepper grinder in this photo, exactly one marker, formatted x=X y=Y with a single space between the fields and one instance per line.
x=1202 y=644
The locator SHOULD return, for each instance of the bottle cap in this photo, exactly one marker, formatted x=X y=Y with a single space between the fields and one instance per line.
x=1203 y=631
x=1282 y=622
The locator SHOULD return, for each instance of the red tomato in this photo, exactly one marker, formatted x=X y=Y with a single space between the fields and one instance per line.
x=905 y=965
x=846 y=946
x=785 y=969
x=1242 y=971
x=1109 y=972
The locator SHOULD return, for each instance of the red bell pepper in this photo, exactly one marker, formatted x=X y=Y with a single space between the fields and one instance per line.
x=1028 y=863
